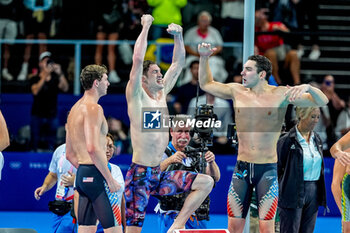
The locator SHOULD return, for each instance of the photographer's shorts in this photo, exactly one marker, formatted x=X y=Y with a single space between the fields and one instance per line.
x=345 y=198
x=245 y=177
x=93 y=200
x=142 y=181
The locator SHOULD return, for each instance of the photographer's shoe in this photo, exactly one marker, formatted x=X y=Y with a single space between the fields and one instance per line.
x=24 y=72
x=6 y=75
x=113 y=77
x=315 y=53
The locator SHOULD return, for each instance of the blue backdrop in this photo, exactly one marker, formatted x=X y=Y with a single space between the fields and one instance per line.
x=24 y=172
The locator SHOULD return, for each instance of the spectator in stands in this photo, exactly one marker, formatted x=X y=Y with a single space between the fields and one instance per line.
x=296 y=14
x=45 y=88
x=62 y=172
x=273 y=47
x=232 y=15
x=330 y=112
x=77 y=26
x=203 y=32
x=186 y=92
x=9 y=10
x=343 y=121
x=302 y=186
x=306 y=12
x=132 y=26
x=223 y=110
x=164 y=13
x=191 y=11
x=108 y=25
x=335 y=104
x=4 y=139
x=37 y=18
x=119 y=131
x=283 y=11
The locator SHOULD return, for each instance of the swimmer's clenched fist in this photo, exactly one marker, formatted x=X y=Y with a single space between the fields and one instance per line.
x=174 y=29
x=146 y=20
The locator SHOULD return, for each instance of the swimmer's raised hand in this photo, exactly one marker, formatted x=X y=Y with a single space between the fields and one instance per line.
x=174 y=29
x=146 y=20
x=205 y=49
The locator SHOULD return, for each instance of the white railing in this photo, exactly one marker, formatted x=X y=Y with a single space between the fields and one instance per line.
x=77 y=51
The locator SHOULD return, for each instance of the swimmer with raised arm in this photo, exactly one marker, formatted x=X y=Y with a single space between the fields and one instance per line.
x=148 y=88
x=259 y=110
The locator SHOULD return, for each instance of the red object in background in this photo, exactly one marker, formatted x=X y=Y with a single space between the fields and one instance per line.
x=35 y=71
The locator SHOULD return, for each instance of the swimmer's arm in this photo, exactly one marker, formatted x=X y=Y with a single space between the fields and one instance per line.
x=342 y=144
x=93 y=120
x=4 y=134
x=338 y=173
x=340 y=150
x=179 y=55
x=306 y=95
x=134 y=85
x=206 y=80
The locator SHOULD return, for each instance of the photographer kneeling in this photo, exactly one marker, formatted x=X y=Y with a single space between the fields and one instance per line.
x=179 y=156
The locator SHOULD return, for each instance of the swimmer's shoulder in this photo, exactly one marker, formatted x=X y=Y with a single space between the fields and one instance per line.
x=88 y=108
x=280 y=93
x=237 y=87
x=278 y=89
x=133 y=91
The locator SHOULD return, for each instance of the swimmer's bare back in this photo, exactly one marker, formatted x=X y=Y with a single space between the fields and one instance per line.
x=86 y=122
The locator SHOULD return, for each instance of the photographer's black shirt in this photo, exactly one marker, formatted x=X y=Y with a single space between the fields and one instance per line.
x=45 y=102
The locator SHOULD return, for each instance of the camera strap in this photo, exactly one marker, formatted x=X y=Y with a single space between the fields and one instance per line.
x=169 y=151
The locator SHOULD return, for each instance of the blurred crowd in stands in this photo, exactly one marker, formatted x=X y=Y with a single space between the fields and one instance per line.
x=213 y=21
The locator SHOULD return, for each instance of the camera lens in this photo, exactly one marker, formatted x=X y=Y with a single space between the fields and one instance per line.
x=49 y=62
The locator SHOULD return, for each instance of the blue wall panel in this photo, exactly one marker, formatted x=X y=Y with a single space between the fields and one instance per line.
x=24 y=172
